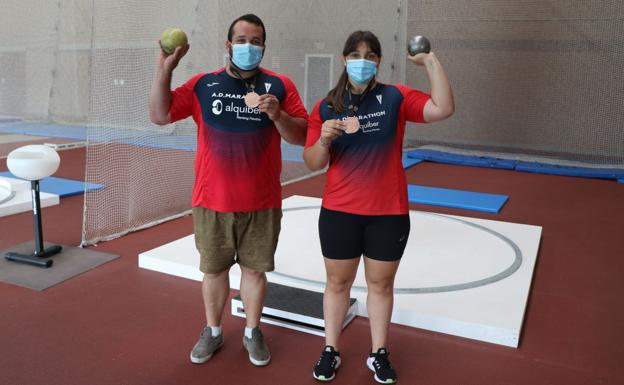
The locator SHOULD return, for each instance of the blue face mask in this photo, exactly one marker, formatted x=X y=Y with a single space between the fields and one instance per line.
x=246 y=56
x=361 y=71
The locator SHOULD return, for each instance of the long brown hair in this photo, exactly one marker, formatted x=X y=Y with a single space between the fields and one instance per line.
x=336 y=95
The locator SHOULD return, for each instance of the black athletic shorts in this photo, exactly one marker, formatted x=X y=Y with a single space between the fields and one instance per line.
x=347 y=236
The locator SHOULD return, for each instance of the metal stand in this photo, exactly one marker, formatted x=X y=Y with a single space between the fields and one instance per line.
x=40 y=255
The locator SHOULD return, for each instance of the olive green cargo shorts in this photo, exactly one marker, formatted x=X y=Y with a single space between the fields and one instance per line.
x=246 y=238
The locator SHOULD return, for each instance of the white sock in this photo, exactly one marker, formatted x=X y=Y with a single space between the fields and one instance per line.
x=248 y=332
x=215 y=331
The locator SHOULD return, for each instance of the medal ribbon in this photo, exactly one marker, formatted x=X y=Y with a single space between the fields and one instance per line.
x=354 y=107
x=251 y=86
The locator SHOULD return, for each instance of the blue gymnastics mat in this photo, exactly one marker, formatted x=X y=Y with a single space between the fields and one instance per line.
x=44 y=129
x=294 y=153
x=409 y=162
x=123 y=136
x=464 y=160
x=583 y=172
x=490 y=203
x=291 y=153
x=60 y=186
x=510 y=164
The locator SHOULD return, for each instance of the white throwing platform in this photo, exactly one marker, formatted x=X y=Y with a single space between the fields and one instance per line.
x=16 y=197
x=462 y=276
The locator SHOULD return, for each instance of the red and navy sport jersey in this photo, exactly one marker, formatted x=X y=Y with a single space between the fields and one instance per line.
x=366 y=174
x=238 y=162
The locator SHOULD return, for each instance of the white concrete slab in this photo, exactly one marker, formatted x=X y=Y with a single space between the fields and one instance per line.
x=6 y=191
x=462 y=276
x=15 y=184
x=21 y=200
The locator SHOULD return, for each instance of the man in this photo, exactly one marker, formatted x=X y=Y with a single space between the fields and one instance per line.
x=242 y=111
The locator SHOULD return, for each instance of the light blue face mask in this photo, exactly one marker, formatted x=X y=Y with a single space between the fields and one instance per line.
x=361 y=71
x=246 y=56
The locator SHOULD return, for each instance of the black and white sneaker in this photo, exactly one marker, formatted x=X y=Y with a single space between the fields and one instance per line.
x=328 y=363
x=378 y=363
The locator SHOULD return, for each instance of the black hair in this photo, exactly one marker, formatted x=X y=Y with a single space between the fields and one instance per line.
x=336 y=95
x=250 y=18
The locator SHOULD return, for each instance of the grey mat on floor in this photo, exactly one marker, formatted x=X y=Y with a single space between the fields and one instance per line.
x=70 y=262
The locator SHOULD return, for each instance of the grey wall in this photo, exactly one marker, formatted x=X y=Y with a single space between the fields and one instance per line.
x=530 y=76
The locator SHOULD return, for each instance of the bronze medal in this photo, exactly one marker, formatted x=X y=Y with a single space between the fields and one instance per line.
x=252 y=99
x=352 y=125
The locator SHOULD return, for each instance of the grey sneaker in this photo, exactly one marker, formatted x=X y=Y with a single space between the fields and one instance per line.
x=206 y=346
x=259 y=354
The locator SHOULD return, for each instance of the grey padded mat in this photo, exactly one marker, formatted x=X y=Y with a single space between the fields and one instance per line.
x=70 y=262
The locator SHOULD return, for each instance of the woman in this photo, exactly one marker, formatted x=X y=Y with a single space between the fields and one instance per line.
x=358 y=129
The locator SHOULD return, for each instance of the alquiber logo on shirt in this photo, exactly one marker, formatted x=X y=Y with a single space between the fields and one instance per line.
x=244 y=110
x=370 y=127
x=218 y=108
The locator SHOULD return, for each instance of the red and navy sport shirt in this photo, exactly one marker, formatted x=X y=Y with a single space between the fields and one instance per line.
x=238 y=162
x=366 y=174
